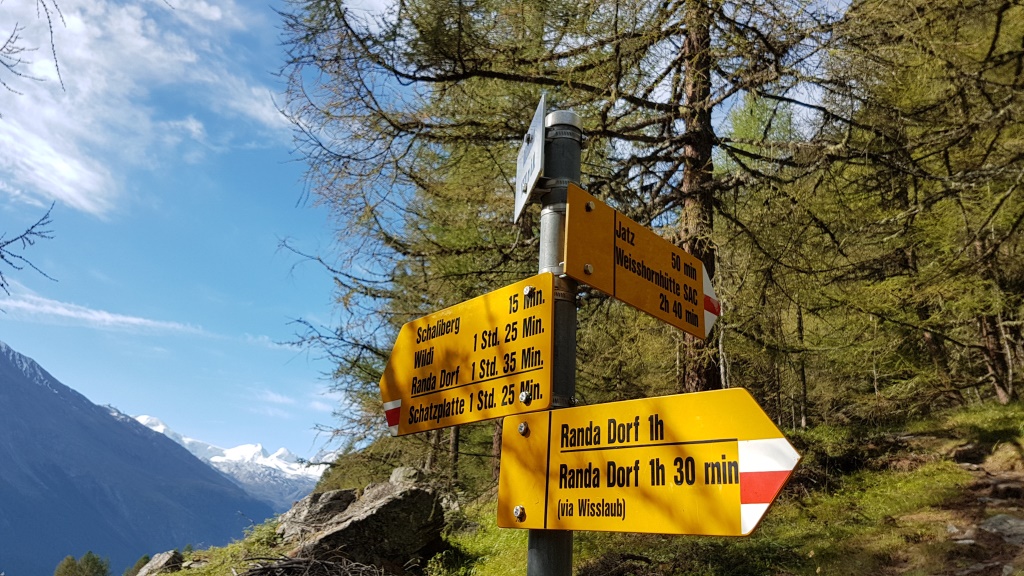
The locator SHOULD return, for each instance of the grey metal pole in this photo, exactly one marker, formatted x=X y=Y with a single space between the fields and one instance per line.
x=550 y=551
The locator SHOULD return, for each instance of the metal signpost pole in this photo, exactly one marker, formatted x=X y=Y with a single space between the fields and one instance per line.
x=550 y=551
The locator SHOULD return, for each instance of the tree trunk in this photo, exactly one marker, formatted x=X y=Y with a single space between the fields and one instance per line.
x=434 y=440
x=996 y=359
x=997 y=353
x=697 y=202
x=496 y=449
x=803 y=367
x=780 y=410
x=453 y=449
x=936 y=347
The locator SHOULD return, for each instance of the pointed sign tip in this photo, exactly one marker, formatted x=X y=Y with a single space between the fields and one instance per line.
x=712 y=306
x=762 y=487
x=750 y=517
x=766 y=465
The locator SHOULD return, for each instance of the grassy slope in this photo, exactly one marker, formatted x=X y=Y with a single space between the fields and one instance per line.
x=878 y=502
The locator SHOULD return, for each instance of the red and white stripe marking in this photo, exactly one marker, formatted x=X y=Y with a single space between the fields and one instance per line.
x=393 y=411
x=765 y=466
x=712 y=307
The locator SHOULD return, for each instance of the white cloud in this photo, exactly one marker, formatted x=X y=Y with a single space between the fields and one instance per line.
x=200 y=14
x=44 y=165
x=138 y=80
x=190 y=126
x=37 y=308
x=272 y=412
x=319 y=406
x=274 y=398
x=369 y=7
x=327 y=401
x=256 y=102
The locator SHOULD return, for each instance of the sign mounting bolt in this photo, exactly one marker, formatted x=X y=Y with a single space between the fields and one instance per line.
x=524 y=428
x=525 y=397
x=529 y=290
x=588 y=269
x=519 y=512
x=590 y=206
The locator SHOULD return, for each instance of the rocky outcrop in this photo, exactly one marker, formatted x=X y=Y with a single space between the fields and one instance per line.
x=313 y=513
x=1009 y=528
x=162 y=563
x=391 y=524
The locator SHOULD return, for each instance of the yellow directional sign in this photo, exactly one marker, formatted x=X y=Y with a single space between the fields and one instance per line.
x=707 y=463
x=619 y=257
x=481 y=359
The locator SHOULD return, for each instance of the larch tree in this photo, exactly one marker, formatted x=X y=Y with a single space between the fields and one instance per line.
x=12 y=248
x=88 y=565
x=16 y=48
x=875 y=261
x=375 y=94
x=934 y=206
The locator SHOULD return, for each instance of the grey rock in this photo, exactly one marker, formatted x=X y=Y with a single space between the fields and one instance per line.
x=405 y=475
x=967 y=536
x=162 y=563
x=392 y=524
x=313 y=513
x=1009 y=528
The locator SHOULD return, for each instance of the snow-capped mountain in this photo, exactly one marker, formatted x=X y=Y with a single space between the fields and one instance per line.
x=278 y=479
x=76 y=477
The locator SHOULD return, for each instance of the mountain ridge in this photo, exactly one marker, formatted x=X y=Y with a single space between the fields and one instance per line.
x=279 y=479
x=77 y=478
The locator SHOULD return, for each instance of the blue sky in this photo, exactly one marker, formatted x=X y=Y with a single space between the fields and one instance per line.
x=173 y=182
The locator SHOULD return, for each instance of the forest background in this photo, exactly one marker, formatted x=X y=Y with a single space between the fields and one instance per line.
x=849 y=173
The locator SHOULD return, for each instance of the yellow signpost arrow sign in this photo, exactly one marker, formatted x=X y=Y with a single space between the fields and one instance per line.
x=481 y=359
x=707 y=463
x=616 y=255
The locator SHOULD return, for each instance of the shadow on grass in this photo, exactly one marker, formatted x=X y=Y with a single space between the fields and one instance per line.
x=657 y=555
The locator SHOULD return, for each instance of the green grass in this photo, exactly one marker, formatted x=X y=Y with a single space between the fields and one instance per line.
x=862 y=502
x=857 y=529
x=863 y=520
x=988 y=423
x=861 y=528
x=482 y=548
x=259 y=542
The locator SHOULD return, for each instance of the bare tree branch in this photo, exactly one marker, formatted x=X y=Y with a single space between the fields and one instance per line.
x=11 y=248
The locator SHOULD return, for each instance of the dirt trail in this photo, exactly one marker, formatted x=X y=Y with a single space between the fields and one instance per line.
x=986 y=525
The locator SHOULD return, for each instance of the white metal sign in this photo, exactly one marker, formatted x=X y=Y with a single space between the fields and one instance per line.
x=530 y=164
